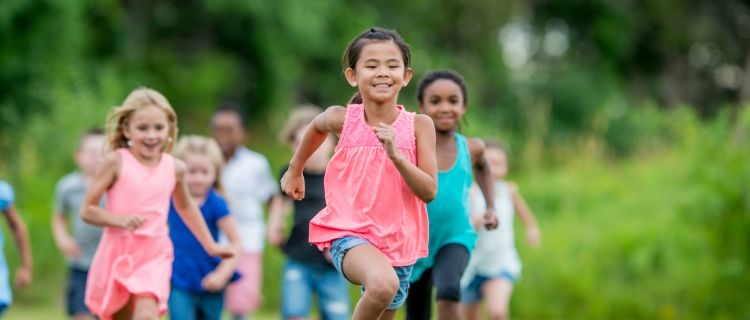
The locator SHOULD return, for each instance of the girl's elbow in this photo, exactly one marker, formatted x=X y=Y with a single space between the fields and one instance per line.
x=87 y=219
x=429 y=193
x=87 y=216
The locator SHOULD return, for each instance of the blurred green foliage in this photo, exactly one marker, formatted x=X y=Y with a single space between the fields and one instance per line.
x=624 y=121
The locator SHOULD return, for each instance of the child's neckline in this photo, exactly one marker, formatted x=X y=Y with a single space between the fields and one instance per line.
x=399 y=109
x=455 y=159
x=130 y=153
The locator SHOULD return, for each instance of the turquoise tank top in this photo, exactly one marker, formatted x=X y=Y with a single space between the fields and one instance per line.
x=449 y=211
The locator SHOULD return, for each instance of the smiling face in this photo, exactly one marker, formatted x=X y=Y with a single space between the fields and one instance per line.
x=148 y=130
x=444 y=102
x=200 y=175
x=380 y=72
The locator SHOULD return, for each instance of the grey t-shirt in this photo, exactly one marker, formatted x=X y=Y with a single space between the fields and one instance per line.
x=69 y=194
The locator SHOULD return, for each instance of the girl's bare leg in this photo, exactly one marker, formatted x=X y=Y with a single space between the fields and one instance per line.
x=366 y=265
x=471 y=311
x=497 y=293
x=448 y=310
x=126 y=313
x=145 y=308
x=388 y=315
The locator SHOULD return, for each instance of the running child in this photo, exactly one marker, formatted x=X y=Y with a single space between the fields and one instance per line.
x=198 y=279
x=130 y=272
x=78 y=246
x=442 y=96
x=494 y=266
x=249 y=184
x=376 y=185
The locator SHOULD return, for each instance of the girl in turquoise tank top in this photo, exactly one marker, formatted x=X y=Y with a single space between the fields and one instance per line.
x=442 y=96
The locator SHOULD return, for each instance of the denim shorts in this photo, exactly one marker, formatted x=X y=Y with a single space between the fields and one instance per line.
x=302 y=281
x=472 y=293
x=188 y=305
x=75 y=292
x=339 y=247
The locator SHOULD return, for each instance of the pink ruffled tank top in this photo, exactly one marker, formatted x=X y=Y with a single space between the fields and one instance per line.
x=366 y=196
x=139 y=261
x=144 y=191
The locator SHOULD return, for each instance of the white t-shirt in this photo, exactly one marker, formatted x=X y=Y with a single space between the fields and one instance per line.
x=249 y=184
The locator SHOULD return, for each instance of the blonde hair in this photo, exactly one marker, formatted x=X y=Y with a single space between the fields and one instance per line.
x=194 y=144
x=302 y=116
x=137 y=99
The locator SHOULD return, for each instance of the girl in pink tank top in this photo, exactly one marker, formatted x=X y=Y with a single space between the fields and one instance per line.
x=377 y=183
x=130 y=273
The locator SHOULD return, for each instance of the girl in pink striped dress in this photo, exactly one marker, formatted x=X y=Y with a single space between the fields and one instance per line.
x=377 y=183
x=130 y=272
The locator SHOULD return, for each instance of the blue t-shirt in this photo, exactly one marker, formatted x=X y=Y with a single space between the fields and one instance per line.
x=191 y=261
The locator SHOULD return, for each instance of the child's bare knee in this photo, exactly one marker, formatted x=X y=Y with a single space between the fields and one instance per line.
x=145 y=309
x=145 y=315
x=383 y=287
x=498 y=313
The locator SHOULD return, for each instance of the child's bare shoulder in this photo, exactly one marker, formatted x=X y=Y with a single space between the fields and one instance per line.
x=335 y=113
x=423 y=121
x=332 y=119
x=112 y=159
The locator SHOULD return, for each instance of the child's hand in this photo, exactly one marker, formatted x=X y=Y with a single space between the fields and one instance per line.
x=130 y=222
x=533 y=236
x=222 y=251
x=293 y=185
x=213 y=282
x=477 y=221
x=490 y=219
x=23 y=277
x=276 y=236
x=70 y=248
x=387 y=137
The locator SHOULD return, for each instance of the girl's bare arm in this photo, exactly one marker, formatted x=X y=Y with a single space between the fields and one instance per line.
x=483 y=178
x=105 y=177
x=421 y=178
x=219 y=278
x=191 y=215
x=329 y=121
x=21 y=236
x=527 y=217
x=277 y=213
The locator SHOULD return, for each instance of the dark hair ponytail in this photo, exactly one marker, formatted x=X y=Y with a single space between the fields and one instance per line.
x=356 y=98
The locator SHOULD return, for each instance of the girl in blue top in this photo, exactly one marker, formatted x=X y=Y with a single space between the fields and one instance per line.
x=442 y=96
x=198 y=279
